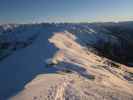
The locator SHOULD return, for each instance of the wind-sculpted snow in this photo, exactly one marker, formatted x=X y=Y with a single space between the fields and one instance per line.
x=74 y=53
x=80 y=75
x=65 y=55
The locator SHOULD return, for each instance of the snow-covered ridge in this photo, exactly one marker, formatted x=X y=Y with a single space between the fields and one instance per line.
x=71 y=71
x=81 y=75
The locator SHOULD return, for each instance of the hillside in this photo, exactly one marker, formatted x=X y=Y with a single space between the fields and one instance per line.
x=65 y=62
x=80 y=75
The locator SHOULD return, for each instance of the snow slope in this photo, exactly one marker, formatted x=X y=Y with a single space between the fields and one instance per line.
x=23 y=65
x=59 y=66
x=80 y=75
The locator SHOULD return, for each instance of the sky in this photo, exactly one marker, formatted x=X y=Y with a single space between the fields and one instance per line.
x=32 y=11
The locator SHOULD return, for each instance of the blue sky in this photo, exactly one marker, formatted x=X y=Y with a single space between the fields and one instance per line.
x=29 y=11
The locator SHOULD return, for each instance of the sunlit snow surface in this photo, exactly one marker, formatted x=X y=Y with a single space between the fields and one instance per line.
x=29 y=73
